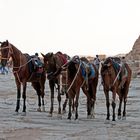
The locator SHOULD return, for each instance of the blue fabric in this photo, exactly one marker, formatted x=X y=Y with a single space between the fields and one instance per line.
x=116 y=66
x=83 y=72
x=92 y=71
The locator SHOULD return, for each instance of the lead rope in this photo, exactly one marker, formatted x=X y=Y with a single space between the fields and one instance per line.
x=116 y=77
x=74 y=78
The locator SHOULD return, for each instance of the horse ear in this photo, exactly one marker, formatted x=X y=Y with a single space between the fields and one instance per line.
x=42 y=54
x=51 y=54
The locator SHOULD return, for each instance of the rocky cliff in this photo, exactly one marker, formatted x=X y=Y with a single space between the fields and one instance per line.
x=133 y=57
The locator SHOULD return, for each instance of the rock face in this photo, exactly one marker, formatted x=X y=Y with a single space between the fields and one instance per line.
x=133 y=57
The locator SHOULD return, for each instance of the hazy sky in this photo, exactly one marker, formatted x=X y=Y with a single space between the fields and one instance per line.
x=85 y=27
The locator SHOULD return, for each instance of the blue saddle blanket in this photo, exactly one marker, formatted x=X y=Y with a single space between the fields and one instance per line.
x=90 y=71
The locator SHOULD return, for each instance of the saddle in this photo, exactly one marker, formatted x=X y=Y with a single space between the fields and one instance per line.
x=62 y=57
x=88 y=70
x=35 y=64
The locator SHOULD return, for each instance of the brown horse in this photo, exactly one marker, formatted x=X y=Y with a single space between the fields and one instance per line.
x=115 y=78
x=81 y=74
x=53 y=63
x=24 y=72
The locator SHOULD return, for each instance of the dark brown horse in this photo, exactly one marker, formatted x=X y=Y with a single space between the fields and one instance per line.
x=53 y=63
x=24 y=72
x=81 y=74
x=116 y=77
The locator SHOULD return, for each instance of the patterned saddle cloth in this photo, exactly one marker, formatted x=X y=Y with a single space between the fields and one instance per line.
x=88 y=70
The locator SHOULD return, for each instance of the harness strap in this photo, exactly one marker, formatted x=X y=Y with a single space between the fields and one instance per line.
x=16 y=72
x=117 y=76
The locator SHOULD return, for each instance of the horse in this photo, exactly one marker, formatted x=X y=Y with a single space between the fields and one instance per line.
x=81 y=74
x=116 y=77
x=23 y=70
x=53 y=63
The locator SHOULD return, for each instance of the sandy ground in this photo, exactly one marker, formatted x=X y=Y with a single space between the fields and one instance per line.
x=38 y=126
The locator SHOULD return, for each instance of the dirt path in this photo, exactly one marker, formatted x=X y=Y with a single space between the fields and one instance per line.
x=38 y=126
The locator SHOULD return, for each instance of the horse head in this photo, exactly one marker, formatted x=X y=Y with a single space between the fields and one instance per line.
x=107 y=73
x=49 y=63
x=6 y=52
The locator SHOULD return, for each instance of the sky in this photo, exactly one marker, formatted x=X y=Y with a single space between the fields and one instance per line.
x=75 y=27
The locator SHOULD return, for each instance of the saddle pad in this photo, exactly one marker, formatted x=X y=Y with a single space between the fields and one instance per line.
x=91 y=70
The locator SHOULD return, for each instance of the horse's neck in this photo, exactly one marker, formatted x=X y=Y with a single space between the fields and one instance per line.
x=17 y=56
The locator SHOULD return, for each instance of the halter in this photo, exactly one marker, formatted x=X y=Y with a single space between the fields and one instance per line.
x=9 y=52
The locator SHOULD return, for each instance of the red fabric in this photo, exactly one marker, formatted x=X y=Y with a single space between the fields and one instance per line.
x=62 y=57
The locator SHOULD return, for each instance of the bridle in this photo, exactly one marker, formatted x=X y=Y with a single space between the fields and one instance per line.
x=10 y=51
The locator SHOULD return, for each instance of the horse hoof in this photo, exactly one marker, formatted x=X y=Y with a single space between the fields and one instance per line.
x=69 y=118
x=73 y=111
x=59 y=116
x=119 y=117
x=50 y=115
x=113 y=122
x=15 y=113
x=93 y=116
x=39 y=110
x=124 y=118
x=107 y=122
x=43 y=109
x=63 y=111
x=76 y=121
x=88 y=116
x=23 y=114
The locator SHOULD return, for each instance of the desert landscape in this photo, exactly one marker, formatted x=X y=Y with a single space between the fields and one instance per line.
x=38 y=126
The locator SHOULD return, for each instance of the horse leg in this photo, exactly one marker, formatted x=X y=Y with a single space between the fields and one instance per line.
x=24 y=98
x=70 y=104
x=107 y=104
x=59 y=100
x=42 y=93
x=52 y=84
x=93 y=98
x=113 y=105
x=39 y=102
x=36 y=86
x=125 y=101
x=88 y=101
x=18 y=97
x=65 y=103
x=76 y=104
x=120 y=105
x=124 y=110
x=73 y=106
